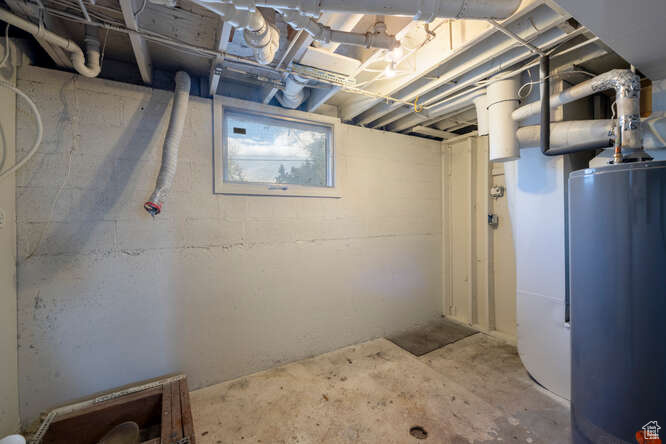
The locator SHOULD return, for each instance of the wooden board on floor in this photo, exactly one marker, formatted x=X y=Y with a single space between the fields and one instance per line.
x=160 y=408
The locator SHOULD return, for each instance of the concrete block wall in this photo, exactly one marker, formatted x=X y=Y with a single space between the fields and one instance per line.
x=216 y=286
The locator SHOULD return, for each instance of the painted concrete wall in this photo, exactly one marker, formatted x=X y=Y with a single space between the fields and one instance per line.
x=9 y=418
x=216 y=286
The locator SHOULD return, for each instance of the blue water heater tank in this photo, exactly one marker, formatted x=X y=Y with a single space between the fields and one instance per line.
x=617 y=241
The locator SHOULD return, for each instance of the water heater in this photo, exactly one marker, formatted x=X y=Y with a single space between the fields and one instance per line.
x=617 y=241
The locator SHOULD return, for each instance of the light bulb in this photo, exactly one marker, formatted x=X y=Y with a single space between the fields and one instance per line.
x=395 y=54
x=389 y=71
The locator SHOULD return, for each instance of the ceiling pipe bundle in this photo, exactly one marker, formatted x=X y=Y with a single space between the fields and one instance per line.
x=627 y=96
x=324 y=34
x=91 y=68
x=263 y=37
x=425 y=10
x=579 y=135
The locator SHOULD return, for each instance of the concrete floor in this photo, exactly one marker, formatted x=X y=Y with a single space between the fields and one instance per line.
x=472 y=391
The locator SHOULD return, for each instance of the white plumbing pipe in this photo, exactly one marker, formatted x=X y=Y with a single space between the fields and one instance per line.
x=587 y=134
x=263 y=37
x=171 y=144
x=627 y=96
x=481 y=105
x=502 y=100
x=294 y=93
x=573 y=134
x=322 y=33
x=89 y=69
x=38 y=137
x=426 y=10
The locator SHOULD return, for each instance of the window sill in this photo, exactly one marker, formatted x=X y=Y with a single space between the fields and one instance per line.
x=254 y=189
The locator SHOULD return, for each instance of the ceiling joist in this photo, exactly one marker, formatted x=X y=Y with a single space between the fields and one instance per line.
x=139 y=45
x=224 y=35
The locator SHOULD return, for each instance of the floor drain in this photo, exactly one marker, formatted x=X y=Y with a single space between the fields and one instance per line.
x=418 y=432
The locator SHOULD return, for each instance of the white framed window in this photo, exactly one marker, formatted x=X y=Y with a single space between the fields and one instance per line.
x=270 y=151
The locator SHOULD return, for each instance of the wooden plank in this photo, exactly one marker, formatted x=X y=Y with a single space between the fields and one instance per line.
x=120 y=401
x=434 y=132
x=223 y=41
x=176 y=419
x=166 y=414
x=139 y=45
x=91 y=424
x=188 y=423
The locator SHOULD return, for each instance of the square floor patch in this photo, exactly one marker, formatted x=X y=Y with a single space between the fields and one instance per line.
x=431 y=336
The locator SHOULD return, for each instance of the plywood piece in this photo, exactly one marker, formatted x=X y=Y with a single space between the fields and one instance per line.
x=91 y=424
x=139 y=45
x=188 y=423
x=166 y=413
x=176 y=422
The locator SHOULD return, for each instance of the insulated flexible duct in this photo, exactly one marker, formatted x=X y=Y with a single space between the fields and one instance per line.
x=89 y=69
x=171 y=144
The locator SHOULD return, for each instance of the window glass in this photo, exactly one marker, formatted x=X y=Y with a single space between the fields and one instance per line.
x=260 y=149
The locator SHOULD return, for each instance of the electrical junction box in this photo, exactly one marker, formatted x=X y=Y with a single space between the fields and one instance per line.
x=497 y=191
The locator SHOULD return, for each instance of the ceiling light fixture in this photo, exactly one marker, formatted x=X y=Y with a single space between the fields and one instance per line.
x=389 y=71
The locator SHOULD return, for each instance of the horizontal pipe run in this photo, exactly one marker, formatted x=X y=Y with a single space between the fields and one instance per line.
x=576 y=92
x=324 y=34
x=574 y=134
x=586 y=134
x=393 y=112
x=506 y=31
x=90 y=69
x=627 y=96
x=426 y=10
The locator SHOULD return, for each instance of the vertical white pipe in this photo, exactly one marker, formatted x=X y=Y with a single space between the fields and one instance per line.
x=481 y=105
x=502 y=101
x=471 y=226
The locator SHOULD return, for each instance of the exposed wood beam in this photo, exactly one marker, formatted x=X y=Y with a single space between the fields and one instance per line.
x=319 y=96
x=427 y=131
x=224 y=35
x=139 y=45
x=57 y=54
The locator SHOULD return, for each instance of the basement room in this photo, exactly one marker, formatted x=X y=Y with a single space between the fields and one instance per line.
x=332 y=221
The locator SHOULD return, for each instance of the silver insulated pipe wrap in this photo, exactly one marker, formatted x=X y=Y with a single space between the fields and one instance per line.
x=171 y=142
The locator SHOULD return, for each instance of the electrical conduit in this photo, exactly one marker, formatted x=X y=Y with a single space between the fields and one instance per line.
x=171 y=144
